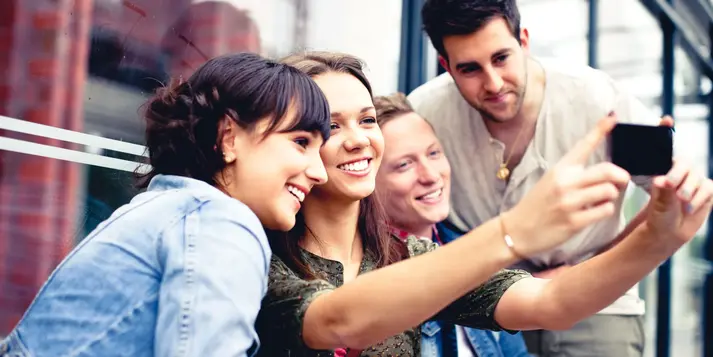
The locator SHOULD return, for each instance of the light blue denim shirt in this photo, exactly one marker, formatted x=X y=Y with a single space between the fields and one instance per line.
x=179 y=271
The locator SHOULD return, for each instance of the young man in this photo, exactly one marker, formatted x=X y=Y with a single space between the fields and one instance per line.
x=503 y=118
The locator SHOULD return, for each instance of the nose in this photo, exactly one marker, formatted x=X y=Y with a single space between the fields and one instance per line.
x=315 y=171
x=493 y=81
x=356 y=140
x=427 y=175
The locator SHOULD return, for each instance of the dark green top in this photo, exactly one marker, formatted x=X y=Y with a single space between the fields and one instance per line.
x=279 y=323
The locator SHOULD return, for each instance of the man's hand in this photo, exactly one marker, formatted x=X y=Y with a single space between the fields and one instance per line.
x=680 y=203
x=568 y=198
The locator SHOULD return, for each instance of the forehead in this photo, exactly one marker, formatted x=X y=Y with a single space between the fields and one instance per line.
x=480 y=45
x=344 y=92
x=407 y=134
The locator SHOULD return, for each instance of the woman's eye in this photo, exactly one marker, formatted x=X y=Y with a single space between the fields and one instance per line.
x=369 y=120
x=303 y=142
x=333 y=126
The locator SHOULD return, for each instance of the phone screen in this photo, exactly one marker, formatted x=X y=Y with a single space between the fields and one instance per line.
x=642 y=150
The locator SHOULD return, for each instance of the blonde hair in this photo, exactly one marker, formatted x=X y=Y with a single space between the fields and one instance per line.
x=389 y=107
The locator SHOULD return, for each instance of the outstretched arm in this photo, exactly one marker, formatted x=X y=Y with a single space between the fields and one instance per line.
x=680 y=203
x=387 y=301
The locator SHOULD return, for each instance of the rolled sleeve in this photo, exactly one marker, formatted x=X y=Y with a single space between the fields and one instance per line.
x=215 y=276
x=477 y=308
x=283 y=309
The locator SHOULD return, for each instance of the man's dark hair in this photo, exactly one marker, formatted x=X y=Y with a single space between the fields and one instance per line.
x=443 y=18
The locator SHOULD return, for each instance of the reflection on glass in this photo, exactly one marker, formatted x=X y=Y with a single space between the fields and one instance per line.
x=89 y=67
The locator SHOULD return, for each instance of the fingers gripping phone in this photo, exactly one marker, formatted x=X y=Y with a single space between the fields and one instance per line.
x=642 y=150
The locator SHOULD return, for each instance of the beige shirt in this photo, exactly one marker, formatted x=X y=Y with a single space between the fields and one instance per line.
x=575 y=98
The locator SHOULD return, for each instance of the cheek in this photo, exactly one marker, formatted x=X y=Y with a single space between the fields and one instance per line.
x=376 y=140
x=328 y=152
x=469 y=87
x=400 y=192
x=444 y=168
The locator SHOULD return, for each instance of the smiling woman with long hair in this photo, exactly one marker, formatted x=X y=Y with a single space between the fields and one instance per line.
x=337 y=286
x=181 y=269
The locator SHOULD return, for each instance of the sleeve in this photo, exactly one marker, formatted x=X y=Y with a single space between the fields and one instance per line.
x=279 y=323
x=214 y=277
x=477 y=308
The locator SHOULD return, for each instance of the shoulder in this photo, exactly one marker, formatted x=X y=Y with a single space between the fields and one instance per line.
x=287 y=290
x=438 y=100
x=579 y=80
x=594 y=92
x=217 y=220
x=433 y=92
x=417 y=246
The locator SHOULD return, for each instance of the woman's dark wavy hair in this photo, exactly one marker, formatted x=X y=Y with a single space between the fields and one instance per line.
x=372 y=221
x=184 y=121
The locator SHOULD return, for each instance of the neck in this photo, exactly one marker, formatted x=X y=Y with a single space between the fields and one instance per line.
x=419 y=231
x=332 y=228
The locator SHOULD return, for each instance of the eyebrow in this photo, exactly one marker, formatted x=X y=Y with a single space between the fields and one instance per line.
x=497 y=53
x=362 y=111
x=431 y=146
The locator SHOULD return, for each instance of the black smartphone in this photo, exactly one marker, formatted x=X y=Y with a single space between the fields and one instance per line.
x=642 y=150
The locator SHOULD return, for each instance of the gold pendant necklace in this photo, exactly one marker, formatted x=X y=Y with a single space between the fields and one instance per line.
x=503 y=172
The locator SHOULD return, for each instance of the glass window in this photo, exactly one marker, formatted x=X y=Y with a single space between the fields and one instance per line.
x=81 y=70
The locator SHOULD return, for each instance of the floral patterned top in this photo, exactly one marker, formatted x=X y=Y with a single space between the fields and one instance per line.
x=279 y=323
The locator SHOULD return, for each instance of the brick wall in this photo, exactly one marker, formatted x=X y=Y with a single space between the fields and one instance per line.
x=43 y=56
x=206 y=30
x=44 y=46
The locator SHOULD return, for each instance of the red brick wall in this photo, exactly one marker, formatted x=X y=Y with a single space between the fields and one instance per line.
x=206 y=30
x=43 y=68
x=44 y=56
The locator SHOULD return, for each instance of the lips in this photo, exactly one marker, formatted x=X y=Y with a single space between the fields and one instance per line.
x=298 y=192
x=497 y=99
x=431 y=196
x=355 y=166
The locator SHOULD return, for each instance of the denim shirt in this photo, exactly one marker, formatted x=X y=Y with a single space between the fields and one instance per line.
x=179 y=271
x=484 y=342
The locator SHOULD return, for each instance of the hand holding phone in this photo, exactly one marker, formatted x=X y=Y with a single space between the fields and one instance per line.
x=642 y=150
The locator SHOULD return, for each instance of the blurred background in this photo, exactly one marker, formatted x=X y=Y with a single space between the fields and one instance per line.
x=74 y=73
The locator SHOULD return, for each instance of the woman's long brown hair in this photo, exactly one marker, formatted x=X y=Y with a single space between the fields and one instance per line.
x=371 y=224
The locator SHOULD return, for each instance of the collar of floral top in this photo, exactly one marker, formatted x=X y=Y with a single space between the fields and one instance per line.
x=402 y=234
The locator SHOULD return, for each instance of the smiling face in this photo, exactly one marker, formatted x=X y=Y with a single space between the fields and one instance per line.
x=415 y=178
x=353 y=153
x=489 y=68
x=272 y=174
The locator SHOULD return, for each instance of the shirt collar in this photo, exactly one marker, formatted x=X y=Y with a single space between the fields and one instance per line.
x=403 y=235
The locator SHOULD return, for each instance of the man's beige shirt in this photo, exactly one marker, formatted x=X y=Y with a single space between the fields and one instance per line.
x=576 y=97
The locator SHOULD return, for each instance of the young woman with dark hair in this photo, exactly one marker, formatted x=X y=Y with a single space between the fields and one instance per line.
x=336 y=285
x=181 y=269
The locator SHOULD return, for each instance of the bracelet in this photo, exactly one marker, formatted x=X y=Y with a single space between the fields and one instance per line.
x=508 y=239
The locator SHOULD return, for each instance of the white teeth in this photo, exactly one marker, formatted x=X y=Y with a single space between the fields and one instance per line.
x=296 y=192
x=355 y=166
x=433 y=194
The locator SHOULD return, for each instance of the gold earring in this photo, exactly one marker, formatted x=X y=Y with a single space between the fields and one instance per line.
x=228 y=159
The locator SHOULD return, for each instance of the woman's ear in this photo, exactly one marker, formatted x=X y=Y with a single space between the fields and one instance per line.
x=229 y=140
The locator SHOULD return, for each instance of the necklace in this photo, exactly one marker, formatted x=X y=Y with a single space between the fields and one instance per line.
x=503 y=172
